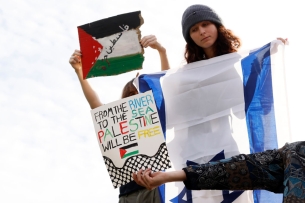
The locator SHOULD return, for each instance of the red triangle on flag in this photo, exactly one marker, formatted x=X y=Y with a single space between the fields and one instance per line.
x=90 y=49
x=122 y=152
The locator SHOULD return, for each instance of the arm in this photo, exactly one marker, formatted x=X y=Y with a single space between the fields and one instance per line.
x=89 y=93
x=243 y=172
x=152 y=42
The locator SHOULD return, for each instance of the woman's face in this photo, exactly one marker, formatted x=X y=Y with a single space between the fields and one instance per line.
x=204 y=34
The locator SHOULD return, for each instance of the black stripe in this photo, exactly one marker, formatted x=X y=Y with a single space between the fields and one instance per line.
x=129 y=146
x=109 y=26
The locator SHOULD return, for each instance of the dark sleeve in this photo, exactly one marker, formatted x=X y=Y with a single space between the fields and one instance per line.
x=129 y=188
x=243 y=172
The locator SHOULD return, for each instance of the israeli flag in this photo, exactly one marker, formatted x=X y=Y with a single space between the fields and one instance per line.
x=217 y=108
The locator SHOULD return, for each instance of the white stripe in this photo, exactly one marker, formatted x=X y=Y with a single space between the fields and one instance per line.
x=280 y=93
x=126 y=44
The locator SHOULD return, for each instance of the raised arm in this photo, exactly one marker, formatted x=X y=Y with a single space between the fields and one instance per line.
x=151 y=41
x=90 y=94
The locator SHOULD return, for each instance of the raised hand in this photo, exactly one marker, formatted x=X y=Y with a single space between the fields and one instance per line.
x=285 y=41
x=151 y=41
x=75 y=60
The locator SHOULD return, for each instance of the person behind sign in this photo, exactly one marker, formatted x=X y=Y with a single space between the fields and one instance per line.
x=279 y=171
x=131 y=192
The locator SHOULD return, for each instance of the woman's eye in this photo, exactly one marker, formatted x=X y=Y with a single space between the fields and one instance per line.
x=194 y=29
x=205 y=24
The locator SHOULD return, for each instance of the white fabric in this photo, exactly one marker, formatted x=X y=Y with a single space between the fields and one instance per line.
x=205 y=115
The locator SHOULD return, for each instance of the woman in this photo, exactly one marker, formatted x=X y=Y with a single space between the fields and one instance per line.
x=131 y=192
x=278 y=171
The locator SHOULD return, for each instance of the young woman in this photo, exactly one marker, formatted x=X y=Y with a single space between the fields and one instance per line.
x=131 y=192
x=278 y=171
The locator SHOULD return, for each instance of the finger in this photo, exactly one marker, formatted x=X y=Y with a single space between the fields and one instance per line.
x=77 y=53
x=153 y=174
x=77 y=58
x=139 y=177
x=145 y=175
x=151 y=39
x=285 y=41
x=145 y=41
x=74 y=59
x=136 y=179
x=145 y=38
x=149 y=42
x=147 y=179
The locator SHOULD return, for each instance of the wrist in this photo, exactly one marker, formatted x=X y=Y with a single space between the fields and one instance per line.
x=79 y=73
x=174 y=176
x=161 y=49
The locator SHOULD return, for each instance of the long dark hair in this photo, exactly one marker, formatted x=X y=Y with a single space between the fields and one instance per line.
x=226 y=43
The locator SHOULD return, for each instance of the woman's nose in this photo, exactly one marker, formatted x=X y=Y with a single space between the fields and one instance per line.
x=201 y=30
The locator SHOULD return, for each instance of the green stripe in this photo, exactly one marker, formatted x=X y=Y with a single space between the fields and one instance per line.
x=116 y=65
x=131 y=153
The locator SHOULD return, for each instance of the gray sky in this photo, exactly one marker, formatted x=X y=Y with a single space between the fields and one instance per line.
x=48 y=148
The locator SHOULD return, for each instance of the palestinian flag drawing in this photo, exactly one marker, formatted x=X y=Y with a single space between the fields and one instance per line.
x=129 y=150
x=111 y=46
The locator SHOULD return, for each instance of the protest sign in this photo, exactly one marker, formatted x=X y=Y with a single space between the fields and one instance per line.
x=111 y=46
x=130 y=137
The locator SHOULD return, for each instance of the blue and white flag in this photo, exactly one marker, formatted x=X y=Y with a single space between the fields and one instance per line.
x=217 y=108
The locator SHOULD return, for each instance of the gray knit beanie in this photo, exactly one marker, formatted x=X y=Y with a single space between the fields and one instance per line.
x=194 y=14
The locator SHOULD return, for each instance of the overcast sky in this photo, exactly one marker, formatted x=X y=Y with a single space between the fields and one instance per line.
x=48 y=148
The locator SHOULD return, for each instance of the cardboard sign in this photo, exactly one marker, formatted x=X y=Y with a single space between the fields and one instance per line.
x=111 y=46
x=130 y=137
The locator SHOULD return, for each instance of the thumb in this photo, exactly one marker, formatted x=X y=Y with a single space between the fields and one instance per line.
x=154 y=174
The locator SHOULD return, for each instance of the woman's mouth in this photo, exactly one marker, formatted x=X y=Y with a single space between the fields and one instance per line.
x=205 y=38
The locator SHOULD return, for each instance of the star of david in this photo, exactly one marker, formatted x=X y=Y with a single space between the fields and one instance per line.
x=227 y=196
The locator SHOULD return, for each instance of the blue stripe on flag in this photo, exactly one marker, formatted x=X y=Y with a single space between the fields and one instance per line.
x=259 y=109
x=152 y=82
